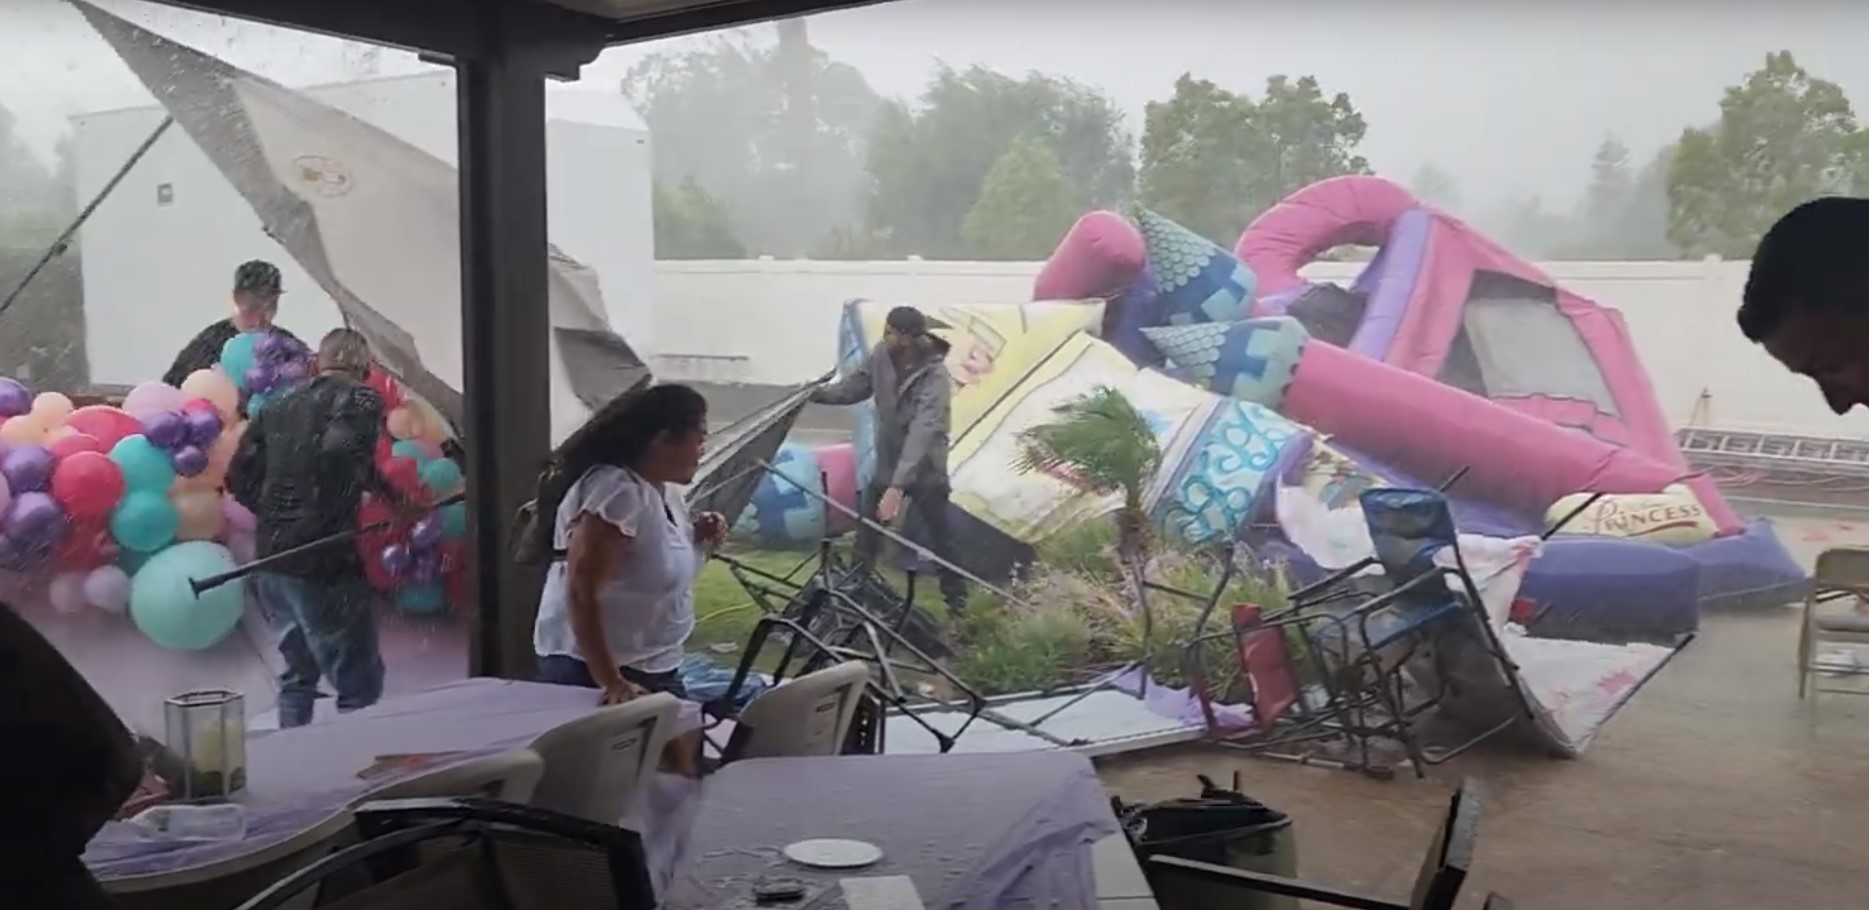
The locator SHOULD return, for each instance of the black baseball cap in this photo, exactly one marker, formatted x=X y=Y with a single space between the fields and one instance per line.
x=257 y=275
x=912 y=322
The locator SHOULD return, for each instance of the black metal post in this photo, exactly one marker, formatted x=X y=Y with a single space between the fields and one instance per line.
x=504 y=283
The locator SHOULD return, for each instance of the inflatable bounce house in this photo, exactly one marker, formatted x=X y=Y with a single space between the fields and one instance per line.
x=1278 y=400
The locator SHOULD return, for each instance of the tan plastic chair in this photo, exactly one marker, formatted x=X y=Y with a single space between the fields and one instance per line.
x=1842 y=575
x=809 y=715
x=595 y=766
x=508 y=777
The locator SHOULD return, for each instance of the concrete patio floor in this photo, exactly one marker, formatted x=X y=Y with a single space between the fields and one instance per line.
x=1715 y=788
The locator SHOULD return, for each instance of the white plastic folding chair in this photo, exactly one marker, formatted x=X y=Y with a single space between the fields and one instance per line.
x=509 y=777
x=595 y=766
x=1842 y=575
x=809 y=715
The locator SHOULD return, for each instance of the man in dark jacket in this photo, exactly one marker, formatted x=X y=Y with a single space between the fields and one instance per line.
x=908 y=379
x=70 y=765
x=256 y=304
x=302 y=468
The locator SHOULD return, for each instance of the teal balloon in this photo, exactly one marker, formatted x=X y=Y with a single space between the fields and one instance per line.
x=421 y=599
x=441 y=476
x=454 y=521
x=165 y=608
x=409 y=448
x=145 y=521
x=257 y=402
x=144 y=466
x=237 y=357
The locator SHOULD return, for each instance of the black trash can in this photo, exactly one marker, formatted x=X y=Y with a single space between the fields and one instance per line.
x=1220 y=827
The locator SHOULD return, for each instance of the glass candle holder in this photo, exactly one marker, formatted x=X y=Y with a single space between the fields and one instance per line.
x=207 y=732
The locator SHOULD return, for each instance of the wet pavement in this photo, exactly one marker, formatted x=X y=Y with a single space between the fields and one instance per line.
x=1714 y=788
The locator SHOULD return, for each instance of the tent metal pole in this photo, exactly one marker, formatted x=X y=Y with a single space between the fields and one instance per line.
x=63 y=242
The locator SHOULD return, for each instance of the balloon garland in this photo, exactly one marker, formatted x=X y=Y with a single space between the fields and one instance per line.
x=116 y=508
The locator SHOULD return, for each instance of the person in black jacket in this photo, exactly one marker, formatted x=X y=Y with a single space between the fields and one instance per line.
x=256 y=304
x=302 y=469
x=70 y=764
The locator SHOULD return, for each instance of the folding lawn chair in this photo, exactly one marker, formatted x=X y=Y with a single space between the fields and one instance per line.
x=469 y=854
x=1383 y=659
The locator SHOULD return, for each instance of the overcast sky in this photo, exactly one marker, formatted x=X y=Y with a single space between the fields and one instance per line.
x=1511 y=97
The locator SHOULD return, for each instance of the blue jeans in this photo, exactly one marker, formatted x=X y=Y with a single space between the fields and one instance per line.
x=565 y=670
x=324 y=627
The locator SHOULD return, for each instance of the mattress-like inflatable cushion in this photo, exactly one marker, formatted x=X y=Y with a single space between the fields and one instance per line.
x=1251 y=360
x=781 y=512
x=1196 y=280
x=1127 y=316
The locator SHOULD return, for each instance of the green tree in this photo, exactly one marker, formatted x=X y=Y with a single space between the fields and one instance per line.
x=1213 y=159
x=1783 y=137
x=1433 y=185
x=34 y=204
x=1624 y=213
x=928 y=165
x=691 y=224
x=777 y=132
x=1025 y=206
x=1102 y=444
x=1609 y=182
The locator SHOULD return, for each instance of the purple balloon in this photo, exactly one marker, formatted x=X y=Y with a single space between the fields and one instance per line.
x=427 y=567
x=27 y=469
x=260 y=378
x=204 y=427
x=167 y=430
x=427 y=532
x=269 y=346
x=190 y=461
x=15 y=398
x=17 y=557
x=396 y=559
x=34 y=521
x=292 y=372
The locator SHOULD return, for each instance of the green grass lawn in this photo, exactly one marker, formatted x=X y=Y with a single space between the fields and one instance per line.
x=724 y=613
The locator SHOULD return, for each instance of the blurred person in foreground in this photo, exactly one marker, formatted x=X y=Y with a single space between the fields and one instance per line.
x=906 y=375
x=1807 y=297
x=618 y=604
x=69 y=764
x=256 y=304
x=302 y=468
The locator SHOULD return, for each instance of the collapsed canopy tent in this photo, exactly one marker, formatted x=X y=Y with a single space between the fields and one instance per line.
x=374 y=220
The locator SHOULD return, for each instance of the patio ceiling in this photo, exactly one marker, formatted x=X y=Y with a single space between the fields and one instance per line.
x=447 y=29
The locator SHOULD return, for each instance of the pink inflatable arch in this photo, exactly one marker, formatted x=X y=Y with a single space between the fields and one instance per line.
x=1100 y=256
x=1443 y=302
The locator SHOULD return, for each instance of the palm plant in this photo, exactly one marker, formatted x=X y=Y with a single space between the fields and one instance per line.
x=1100 y=443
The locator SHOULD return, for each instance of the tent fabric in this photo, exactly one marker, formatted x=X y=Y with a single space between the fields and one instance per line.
x=374 y=220
x=737 y=456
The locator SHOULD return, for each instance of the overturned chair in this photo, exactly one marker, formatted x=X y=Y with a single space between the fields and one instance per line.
x=1356 y=660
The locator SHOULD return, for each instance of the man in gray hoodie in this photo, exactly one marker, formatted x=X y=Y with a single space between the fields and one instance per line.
x=907 y=377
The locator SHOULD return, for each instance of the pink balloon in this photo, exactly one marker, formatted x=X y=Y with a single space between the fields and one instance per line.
x=67 y=592
x=151 y=398
x=104 y=423
x=236 y=516
x=108 y=588
x=242 y=546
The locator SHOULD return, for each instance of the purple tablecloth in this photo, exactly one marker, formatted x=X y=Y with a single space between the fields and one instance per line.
x=299 y=778
x=974 y=832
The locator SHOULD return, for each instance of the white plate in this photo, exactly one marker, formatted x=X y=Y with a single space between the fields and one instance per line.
x=830 y=853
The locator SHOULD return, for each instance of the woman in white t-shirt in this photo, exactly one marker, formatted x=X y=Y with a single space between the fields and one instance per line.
x=617 y=610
